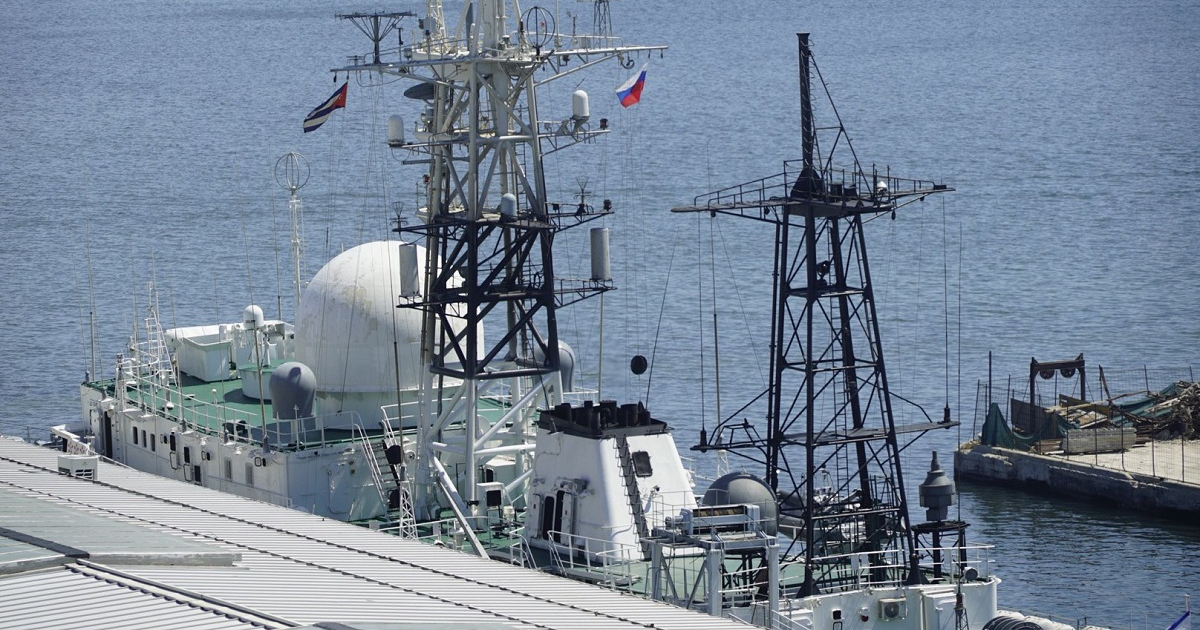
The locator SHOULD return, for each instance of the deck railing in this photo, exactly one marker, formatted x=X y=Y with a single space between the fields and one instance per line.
x=607 y=563
x=235 y=425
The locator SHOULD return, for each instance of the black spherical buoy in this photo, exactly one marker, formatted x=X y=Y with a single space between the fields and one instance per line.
x=638 y=364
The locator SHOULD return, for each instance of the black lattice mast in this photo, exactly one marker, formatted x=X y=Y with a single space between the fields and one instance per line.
x=829 y=441
x=491 y=293
x=601 y=19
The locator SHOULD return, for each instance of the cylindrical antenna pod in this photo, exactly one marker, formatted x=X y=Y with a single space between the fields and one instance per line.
x=395 y=129
x=600 y=266
x=410 y=279
x=579 y=106
x=508 y=205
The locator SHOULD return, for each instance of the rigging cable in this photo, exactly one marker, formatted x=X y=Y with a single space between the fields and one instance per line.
x=946 y=305
x=742 y=307
x=712 y=256
x=959 y=343
x=634 y=225
x=700 y=324
x=658 y=329
x=278 y=280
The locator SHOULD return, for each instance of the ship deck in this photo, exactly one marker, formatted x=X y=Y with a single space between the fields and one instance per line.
x=223 y=408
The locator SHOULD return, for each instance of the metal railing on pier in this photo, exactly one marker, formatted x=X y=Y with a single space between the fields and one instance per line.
x=1141 y=401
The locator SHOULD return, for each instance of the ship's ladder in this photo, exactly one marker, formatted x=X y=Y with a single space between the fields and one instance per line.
x=631 y=490
x=395 y=488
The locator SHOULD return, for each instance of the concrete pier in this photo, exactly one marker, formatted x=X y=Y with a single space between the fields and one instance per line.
x=1159 y=477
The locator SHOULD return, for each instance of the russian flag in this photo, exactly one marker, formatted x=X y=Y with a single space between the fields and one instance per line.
x=630 y=92
x=318 y=116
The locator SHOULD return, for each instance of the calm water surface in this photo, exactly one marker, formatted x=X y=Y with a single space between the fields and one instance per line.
x=139 y=140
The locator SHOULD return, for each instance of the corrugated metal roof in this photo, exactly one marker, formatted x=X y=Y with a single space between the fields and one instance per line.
x=73 y=596
x=17 y=556
x=304 y=569
x=73 y=533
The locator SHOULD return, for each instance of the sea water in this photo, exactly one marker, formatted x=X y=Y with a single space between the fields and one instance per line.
x=138 y=143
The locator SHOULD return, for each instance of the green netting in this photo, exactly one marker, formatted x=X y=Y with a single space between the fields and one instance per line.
x=997 y=432
x=1123 y=412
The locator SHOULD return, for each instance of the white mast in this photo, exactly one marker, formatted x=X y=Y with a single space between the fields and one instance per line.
x=291 y=173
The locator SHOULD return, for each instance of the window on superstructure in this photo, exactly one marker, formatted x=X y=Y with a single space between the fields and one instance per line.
x=249 y=474
x=145 y=442
x=641 y=464
x=135 y=435
x=187 y=454
x=229 y=469
x=153 y=442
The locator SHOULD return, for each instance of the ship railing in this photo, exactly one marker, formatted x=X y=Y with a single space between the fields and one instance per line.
x=443 y=49
x=448 y=532
x=880 y=188
x=854 y=571
x=311 y=431
x=859 y=570
x=238 y=426
x=662 y=507
x=602 y=562
x=395 y=415
x=586 y=42
x=781 y=620
x=500 y=393
x=153 y=396
x=687 y=581
x=950 y=564
x=364 y=442
x=578 y=396
x=439 y=532
x=517 y=550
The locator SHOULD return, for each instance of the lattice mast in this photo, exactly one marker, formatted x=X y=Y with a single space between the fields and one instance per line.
x=829 y=441
x=489 y=226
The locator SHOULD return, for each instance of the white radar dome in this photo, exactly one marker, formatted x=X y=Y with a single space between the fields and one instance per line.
x=352 y=335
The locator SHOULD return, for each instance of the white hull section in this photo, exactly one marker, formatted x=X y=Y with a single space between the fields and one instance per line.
x=328 y=481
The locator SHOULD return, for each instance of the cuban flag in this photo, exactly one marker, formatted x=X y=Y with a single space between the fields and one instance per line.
x=630 y=92
x=318 y=116
x=1183 y=623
